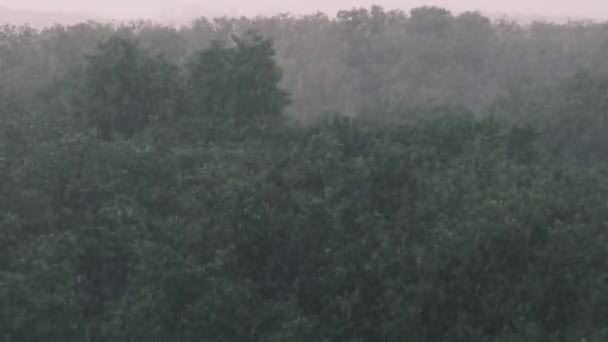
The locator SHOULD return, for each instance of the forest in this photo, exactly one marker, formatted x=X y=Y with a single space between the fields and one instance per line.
x=377 y=175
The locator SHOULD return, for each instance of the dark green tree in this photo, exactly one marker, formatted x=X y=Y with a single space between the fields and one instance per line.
x=238 y=82
x=125 y=88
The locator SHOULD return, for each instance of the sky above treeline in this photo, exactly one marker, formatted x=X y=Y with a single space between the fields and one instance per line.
x=158 y=9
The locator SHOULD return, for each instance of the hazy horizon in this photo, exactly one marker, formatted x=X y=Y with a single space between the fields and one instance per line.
x=165 y=9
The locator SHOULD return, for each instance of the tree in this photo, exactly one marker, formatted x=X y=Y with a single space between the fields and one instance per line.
x=239 y=82
x=430 y=20
x=125 y=88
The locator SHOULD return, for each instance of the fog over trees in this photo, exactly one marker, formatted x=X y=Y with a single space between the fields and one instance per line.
x=374 y=175
x=188 y=9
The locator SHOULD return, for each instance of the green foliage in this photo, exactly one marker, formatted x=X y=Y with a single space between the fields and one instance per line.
x=213 y=219
x=239 y=83
x=572 y=114
x=125 y=89
x=444 y=229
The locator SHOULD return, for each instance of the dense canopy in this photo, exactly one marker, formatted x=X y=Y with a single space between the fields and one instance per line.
x=378 y=176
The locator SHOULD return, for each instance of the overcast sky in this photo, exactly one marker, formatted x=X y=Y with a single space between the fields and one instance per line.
x=156 y=8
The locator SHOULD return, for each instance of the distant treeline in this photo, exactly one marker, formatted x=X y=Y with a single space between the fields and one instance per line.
x=363 y=62
x=351 y=61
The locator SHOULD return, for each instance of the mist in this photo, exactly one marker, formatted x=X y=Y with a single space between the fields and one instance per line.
x=184 y=9
x=414 y=170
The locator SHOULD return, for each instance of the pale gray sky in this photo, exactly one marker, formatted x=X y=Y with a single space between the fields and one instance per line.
x=156 y=8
